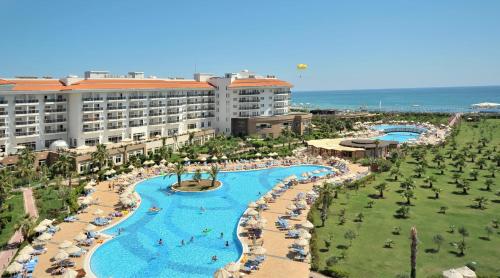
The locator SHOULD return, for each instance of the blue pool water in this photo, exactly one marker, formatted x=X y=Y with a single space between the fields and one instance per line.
x=400 y=136
x=136 y=253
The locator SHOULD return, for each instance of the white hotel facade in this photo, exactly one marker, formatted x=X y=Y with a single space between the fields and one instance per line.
x=100 y=108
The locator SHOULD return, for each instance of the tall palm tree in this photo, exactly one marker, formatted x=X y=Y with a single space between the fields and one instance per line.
x=377 y=145
x=26 y=165
x=100 y=156
x=326 y=196
x=413 y=250
x=178 y=170
x=6 y=185
x=64 y=166
x=213 y=172
x=26 y=227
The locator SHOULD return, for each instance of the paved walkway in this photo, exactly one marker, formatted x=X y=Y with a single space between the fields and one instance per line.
x=7 y=255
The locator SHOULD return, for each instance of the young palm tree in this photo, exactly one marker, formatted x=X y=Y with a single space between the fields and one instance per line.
x=481 y=202
x=395 y=172
x=408 y=194
x=6 y=185
x=178 y=171
x=464 y=233
x=438 y=158
x=100 y=156
x=381 y=187
x=438 y=240
x=465 y=185
x=441 y=168
x=197 y=176
x=496 y=159
x=436 y=191
x=488 y=183
x=213 y=172
x=64 y=166
x=408 y=183
x=492 y=169
x=473 y=174
x=350 y=235
x=26 y=227
x=430 y=180
x=413 y=250
x=481 y=162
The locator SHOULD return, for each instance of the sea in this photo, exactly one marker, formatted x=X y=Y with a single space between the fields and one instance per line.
x=442 y=99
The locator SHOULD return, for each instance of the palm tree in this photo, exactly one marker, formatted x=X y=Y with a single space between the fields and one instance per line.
x=456 y=176
x=377 y=145
x=197 y=175
x=441 y=168
x=408 y=183
x=381 y=187
x=326 y=196
x=413 y=249
x=464 y=233
x=6 y=185
x=460 y=163
x=26 y=227
x=178 y=171
x=190 y=138
x=403 y=211
x=64 y=166
x=438 y=158
x=213 y=172
x=436 y=192
x=63 y=191
x=408 y=194
x=481 y=162
x=100 y=156
x=350 y=235
x=26 y=165
x=488 y=183
x=395 y=172
x=473 y=174
x=481 y=202
x=496 y=159
x=465 y=185
x=430 y=180
x=492 y=169
x=438 y=240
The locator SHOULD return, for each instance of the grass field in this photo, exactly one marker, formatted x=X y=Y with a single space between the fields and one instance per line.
x=367 y=257
x=49 y=203
x=15 y=214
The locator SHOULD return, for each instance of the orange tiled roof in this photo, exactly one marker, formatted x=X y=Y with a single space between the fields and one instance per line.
x=105 y=84
x=263 y=82
x=4 y=82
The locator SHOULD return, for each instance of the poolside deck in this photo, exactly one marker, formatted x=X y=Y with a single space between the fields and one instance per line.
x=279 y=263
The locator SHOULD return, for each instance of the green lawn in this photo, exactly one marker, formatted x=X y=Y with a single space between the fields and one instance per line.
x=367 y=256
x=15 y=214
x=49 y=203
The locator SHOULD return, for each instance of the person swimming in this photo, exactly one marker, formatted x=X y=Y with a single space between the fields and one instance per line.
x=192 y=239
x=227 y=243
x=214 y=258
x=221 y=235
x=202 y=209
x=182 y=242
x=160 y=242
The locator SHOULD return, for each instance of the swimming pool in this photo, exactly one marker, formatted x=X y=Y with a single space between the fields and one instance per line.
x=398 y=133
x=136 y=252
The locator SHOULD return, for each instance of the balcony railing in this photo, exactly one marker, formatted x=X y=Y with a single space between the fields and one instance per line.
x=51 y=121
x=116 y=98
x=116 y=108
x=115 y=126
x=250 y=100
x=248 y=93
x=90 y=109
x=92 y=119
x=116 y=117
x=131 y=124
x=27 y=133
x=137 y=116
x=170 y=103
x=138 y=106
x=3 y=101
x=157 y=114
x=157 y=105
x=55 y=110
x=156 y=122
x=55 y=100
x=91 y=129
x=4 y=113
x=87 y=99
x=156 y=96
x=26 y=101
x=282 y=93
x=26 y=122
x=249 y=107
x=51 y=131
x=171 y=121
x=137 y=97
x=24 y=112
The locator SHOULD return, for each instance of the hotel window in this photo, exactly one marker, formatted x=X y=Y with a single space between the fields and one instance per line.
x=191 y=126
x=154 y=133
x=114 y=139
x=91 y=141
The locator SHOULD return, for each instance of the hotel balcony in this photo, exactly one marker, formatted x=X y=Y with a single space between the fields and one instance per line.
x=92 y=99
x=92 y=109
x=92 y=119
x=136 y=124
x=281 y=98
x=157 y=114
x=112 y=108
x=4 y=135
x=282 y=93
x=173 y=111
x=26 y=112
x=116 y=98
x=173 y=103
x=137 y=116
x=91 y=129
x=280 y=105
x=160 y=104
x=119 y=117
x=54 y=100
x=26 y=123
x=135 y=107
x=26 y=101
x=249 y=93
x=137 y=97
x=53 y=121
x=157 y=96
x=3 y=102
x=3 y=123
x=176 y=95
x=116 y=126
x=200 y=101
x=204 y=108
x=27 y=133
x=55 y=110
x=4 y=114
x=153 y=122
x=246 y=100
x=172 y=121
x=249 y=107
x=199 y=116
x=55 y=130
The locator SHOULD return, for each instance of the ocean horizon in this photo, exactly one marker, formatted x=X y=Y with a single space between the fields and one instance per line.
x=430 y=99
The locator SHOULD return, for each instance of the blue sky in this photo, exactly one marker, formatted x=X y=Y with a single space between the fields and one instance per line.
x=347 y=44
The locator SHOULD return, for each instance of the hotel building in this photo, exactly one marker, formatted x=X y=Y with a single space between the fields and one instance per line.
x=102 y=108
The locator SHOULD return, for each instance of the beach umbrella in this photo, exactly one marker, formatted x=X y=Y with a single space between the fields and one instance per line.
x=252 y=212
x=224 y=157
x=233 y=267
x=40 y=229
x=44 y=237
x=131 y=167
x=70 y=273
x=65 y=244
x=61 y=255
x=301 y=242
x=260 y=202
x=280 y=185
x=268 y=196
x=304 y=235
x=252 y=205
x=262 y=221
x=163 y=161
x=98 y=212
x=14 y=267
x=46 y=222
x=257 y=160
x=214 y=157
x=259 y=251
x=156 y=166
x=305 y=175
x=80 y=237
x=222 y=273
x=28 y=249
x=258 y=154
x=22 y=258
x=73 y=249
x=90 y=227
x=186 y=159
x=291 y=207
x=293 y=177
x=88 y=187
x=302 y=203
x=252 y=222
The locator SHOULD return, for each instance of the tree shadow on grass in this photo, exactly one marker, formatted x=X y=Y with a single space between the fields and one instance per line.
x=431 y=197
x=431 y=250
x=456 y=253
x=323 y=250
x=342 y=247
x=484 y=238
x=374 y=196
x=459 y=193
x=495 y=201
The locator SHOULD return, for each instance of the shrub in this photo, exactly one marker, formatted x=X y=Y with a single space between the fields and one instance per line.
x=335 y=273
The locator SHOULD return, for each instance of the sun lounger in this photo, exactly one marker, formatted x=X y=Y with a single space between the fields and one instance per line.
x=71 y=218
